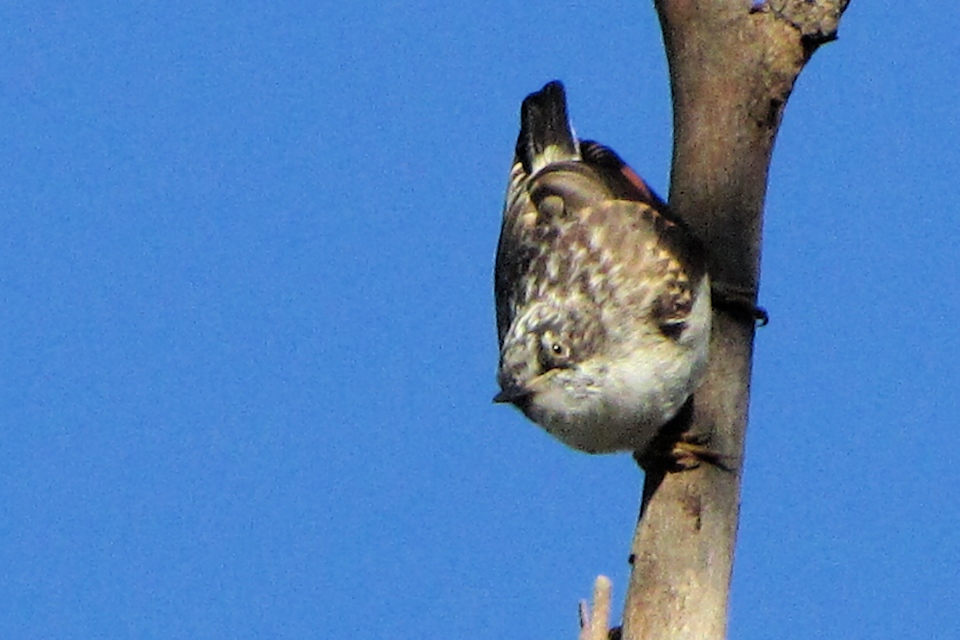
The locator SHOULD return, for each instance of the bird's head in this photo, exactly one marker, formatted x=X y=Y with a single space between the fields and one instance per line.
x=547 y=349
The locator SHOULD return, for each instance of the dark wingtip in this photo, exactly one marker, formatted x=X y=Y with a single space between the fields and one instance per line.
x=544 y=122
x=551 y=97
x=553 y=92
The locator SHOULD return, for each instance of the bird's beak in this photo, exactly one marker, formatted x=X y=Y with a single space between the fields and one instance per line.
x=512 y=394
x=520 y=394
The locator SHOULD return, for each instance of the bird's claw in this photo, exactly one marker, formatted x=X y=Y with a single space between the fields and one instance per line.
x=686 y=453
x=691 y=451
x=739 y=302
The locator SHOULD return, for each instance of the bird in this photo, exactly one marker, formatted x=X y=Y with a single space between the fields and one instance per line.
x=603 y=300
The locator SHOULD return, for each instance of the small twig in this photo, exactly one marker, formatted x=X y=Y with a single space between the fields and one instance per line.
x=595 y=625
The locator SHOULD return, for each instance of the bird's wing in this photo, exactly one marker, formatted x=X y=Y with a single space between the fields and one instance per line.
x=605 y=252
x=622 y=180
x=677 y=256
x=645 y=262
x=542 y=240
x=515 y=250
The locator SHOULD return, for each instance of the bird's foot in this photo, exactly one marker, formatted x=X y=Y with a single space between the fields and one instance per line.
x=739 y=302
x=692 y=450
x=685 y=453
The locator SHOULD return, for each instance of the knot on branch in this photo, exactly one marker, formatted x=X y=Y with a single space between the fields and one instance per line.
x=816 y=20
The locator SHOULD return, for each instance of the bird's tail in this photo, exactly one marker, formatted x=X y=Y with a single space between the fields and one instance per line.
x=545 y=132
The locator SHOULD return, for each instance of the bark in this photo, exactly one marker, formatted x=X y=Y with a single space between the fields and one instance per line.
x=732 y=68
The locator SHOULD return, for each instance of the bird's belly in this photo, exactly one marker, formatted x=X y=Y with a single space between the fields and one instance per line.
x=606 y=428
x=636 y=398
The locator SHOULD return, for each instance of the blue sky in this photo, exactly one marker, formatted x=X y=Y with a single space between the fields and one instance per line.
x=249 y=341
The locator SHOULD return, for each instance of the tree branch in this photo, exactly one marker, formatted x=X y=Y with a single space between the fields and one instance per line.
x=732 y=68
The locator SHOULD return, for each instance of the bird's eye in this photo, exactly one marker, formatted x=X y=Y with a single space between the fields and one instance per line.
x=554 y=353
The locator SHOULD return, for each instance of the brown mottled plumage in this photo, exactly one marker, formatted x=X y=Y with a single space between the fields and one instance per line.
x=603 y=302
